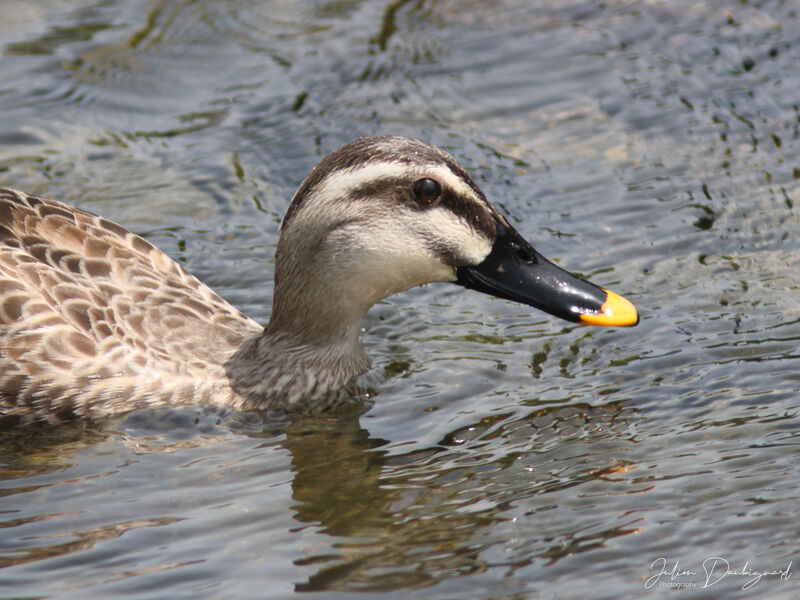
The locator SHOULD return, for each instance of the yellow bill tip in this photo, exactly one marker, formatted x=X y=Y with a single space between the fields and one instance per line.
x=615 y=312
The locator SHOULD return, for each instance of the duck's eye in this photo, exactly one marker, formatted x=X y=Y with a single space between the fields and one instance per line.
x=426 y=191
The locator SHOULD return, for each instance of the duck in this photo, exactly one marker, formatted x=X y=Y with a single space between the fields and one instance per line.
x=95 y=320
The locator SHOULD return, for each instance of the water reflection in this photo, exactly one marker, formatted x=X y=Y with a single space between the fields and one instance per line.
x=76 y=541
x=393 y=519
x=408 y=520
x=40 y=449
x=662 y=135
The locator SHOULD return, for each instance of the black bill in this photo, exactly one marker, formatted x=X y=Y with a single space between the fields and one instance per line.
x=514 y=270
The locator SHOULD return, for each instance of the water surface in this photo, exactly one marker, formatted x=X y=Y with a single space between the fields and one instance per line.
x=505 y=455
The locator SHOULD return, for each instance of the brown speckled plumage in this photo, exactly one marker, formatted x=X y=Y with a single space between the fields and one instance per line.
x=95 y=320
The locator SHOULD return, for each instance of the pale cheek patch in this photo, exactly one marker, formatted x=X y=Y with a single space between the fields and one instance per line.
x=380 y=247
x=408 y=233
x=397 y=251
x=469 y=246
x=435 y=234
x=376 y=278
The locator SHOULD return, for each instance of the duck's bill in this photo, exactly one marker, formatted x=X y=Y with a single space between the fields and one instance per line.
x=514 y=270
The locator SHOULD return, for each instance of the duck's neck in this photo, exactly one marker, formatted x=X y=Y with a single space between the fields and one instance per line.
x=308 y=351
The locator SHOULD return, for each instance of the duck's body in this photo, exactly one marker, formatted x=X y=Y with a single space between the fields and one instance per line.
x=96 y=320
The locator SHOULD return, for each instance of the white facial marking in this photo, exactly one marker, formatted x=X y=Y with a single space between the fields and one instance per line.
x=336 y=184
x=381 y=247
x=472 y=246
x=399 y=229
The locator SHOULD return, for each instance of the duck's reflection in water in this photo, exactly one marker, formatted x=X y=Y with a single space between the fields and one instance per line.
x=404 y=521
x=529 y=485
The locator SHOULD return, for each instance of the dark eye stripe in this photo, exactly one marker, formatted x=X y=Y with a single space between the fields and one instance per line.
x=473 y=208
x=365 y=151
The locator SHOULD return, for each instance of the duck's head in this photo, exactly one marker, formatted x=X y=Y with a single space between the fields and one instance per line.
x=382 y=214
